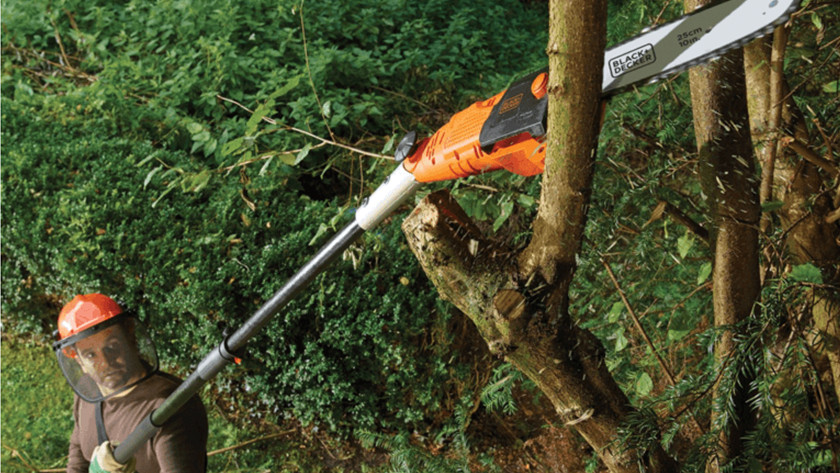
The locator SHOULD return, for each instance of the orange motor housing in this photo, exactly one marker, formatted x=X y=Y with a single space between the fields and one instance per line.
x=506 y=131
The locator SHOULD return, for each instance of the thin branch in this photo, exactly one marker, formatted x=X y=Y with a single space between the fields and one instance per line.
x=303 y=132
x=780 y=37
x=680 y=217
x=60 y=44
x=661 y=12
x=249 y=442
x=309 y=71
x=638 y=324
x=339 y=145
x=644 y=334
x=833 y=216
x=808 y=155
x=402 y=96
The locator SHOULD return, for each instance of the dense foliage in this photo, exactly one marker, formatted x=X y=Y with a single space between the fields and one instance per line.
x=120 y=175
x=154 y=151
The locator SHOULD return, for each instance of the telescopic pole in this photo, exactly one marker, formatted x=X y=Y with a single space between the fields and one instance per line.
x=396 y=189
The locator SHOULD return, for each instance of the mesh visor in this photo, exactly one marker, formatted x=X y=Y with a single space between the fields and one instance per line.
x=107 y=359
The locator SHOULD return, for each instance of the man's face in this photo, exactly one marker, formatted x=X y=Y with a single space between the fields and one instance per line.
x=110 y=358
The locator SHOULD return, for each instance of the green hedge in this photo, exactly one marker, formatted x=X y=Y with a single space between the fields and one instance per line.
x=78 y=218
x=114 y=179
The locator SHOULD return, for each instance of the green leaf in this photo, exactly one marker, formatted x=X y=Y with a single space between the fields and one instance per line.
x=302 y=154
x=146 y=160
x=705 y=272
x=199 y=181
x=257 y=116
x=194 y=128
x=232 y=146
x=526 y=201
x=287 y=158
x=684 y=244
x=150 y=175
x=322 y=229
x=291 y=84
x=806 y=273
x=264 y=167
x=507 y=208
x=210 y=147
x=816 y=20
x=389 y=145
x=832 y=87
x=679 y=328
x=644 y=384
x=615 y=312
x=620 y=340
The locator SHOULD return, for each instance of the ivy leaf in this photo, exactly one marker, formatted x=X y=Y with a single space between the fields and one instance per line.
x=806 y=273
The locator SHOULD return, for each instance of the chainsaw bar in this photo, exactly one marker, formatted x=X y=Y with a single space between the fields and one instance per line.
x=693 y=39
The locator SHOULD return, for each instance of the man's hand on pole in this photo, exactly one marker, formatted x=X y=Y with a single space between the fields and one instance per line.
x=103 y=461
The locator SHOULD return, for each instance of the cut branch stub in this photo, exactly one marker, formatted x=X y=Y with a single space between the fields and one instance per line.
x=467 y=270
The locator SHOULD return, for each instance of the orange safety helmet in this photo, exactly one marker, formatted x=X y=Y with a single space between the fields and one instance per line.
x=85 y=311
x=102 y=350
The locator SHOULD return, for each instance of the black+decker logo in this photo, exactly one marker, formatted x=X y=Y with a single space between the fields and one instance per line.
x=634 y=59
x=510 y=104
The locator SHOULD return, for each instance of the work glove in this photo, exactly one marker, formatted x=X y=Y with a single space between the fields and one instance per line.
x=103 y=461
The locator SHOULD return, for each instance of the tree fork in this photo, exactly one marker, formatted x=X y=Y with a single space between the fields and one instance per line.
x=566 y=362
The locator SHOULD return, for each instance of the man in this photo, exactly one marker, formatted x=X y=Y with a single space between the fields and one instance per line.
x=109 y=360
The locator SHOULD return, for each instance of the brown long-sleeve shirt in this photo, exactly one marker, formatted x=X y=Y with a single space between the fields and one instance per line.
x=180 y=446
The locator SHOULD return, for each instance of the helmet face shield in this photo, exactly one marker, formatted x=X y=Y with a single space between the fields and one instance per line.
x=108 y=358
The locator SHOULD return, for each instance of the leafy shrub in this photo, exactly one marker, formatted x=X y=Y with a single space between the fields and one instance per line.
x=117 y=178
x=78 y=217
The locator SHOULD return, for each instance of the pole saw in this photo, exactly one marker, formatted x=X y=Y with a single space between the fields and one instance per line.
x=506 y=131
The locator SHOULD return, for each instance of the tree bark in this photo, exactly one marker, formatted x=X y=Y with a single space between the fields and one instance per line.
x=520 y=302
x=718 y=96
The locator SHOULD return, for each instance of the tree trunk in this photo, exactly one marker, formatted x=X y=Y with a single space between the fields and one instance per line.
x=718 y=96
x=810 y=236
x=519 y=302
